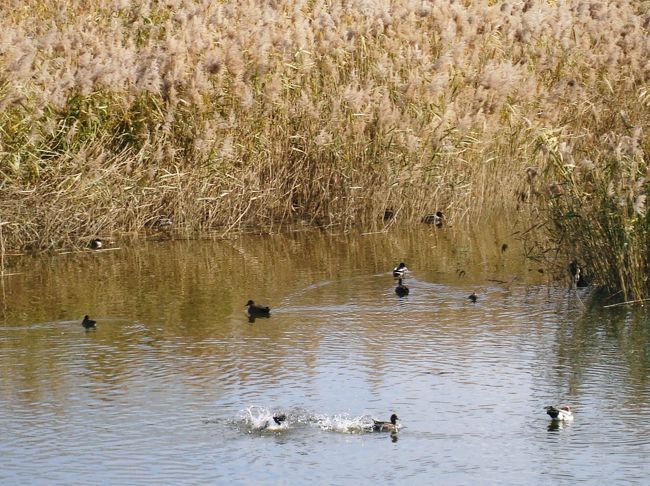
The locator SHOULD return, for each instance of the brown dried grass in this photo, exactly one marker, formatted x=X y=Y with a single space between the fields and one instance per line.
x=232 y=116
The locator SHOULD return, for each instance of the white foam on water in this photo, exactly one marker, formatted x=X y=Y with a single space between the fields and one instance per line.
x=344 y=424
x=256 y=418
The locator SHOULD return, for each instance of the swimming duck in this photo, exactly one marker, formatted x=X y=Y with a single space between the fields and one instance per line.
x=401 y=290
x=380 y=426
x=88 y=323
x=437 y=219
x=562 y=413
x=257 y=310
x=400 y=270
x=473 y=297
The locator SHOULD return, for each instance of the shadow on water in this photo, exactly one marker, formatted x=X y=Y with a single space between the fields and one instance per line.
x=605 y=339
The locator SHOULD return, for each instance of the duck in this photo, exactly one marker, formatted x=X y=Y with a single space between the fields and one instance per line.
x=88 y=323
x=437 y=219
x=579 y=280
x=562 y=413
x=380 y=426
x=277 y=419
x=473 y=297
x=401 y=290
x=255 y=310
x=400 y=270
x=96 y=244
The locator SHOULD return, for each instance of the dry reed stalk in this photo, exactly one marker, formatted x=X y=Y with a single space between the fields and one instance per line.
x=2 y=251
x=231 y=115
x=591 y=191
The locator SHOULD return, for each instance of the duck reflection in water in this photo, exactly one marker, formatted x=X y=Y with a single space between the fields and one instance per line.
x=555 y=425
x=401 y=289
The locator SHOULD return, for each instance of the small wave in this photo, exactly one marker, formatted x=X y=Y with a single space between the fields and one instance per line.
x=38 y=325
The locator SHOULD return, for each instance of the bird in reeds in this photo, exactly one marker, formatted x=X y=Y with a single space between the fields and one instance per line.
x=401 y=289
x=472 y=297
x=380 y=426
x=577 y=275
x=96 y=244
x=253 y=310
x=563 y=413
x=164 y=223
x=437 y=219
x=400 y=270
x=159 y=223
x=88 y=323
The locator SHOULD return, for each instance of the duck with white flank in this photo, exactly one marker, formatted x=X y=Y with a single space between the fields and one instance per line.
x=96 y=244
x=401 y=290
x=380 y=426
x=255 y=310
x=400 y=270
x=563 y=413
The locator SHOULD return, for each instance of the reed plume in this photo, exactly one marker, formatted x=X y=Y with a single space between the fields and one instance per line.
x=235 y=115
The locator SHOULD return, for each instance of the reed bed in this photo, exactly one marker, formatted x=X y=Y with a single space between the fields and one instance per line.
x=589 y=194
x=124 y=116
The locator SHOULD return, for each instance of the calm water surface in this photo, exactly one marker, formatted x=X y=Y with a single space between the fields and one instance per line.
x=176 y=386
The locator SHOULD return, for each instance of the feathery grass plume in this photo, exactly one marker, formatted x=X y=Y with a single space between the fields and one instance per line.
x=594 y=210
x=229 y=116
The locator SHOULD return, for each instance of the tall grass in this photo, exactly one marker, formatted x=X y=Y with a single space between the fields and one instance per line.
x=590 y=195
x=222 y=116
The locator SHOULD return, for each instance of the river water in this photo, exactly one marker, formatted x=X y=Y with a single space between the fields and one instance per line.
x=176 y=386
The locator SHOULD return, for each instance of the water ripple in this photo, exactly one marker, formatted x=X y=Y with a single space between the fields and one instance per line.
x=197 y=391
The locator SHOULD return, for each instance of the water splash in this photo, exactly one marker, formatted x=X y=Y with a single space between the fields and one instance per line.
x=344 y=424
x=256 y=419
x=262 y=419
